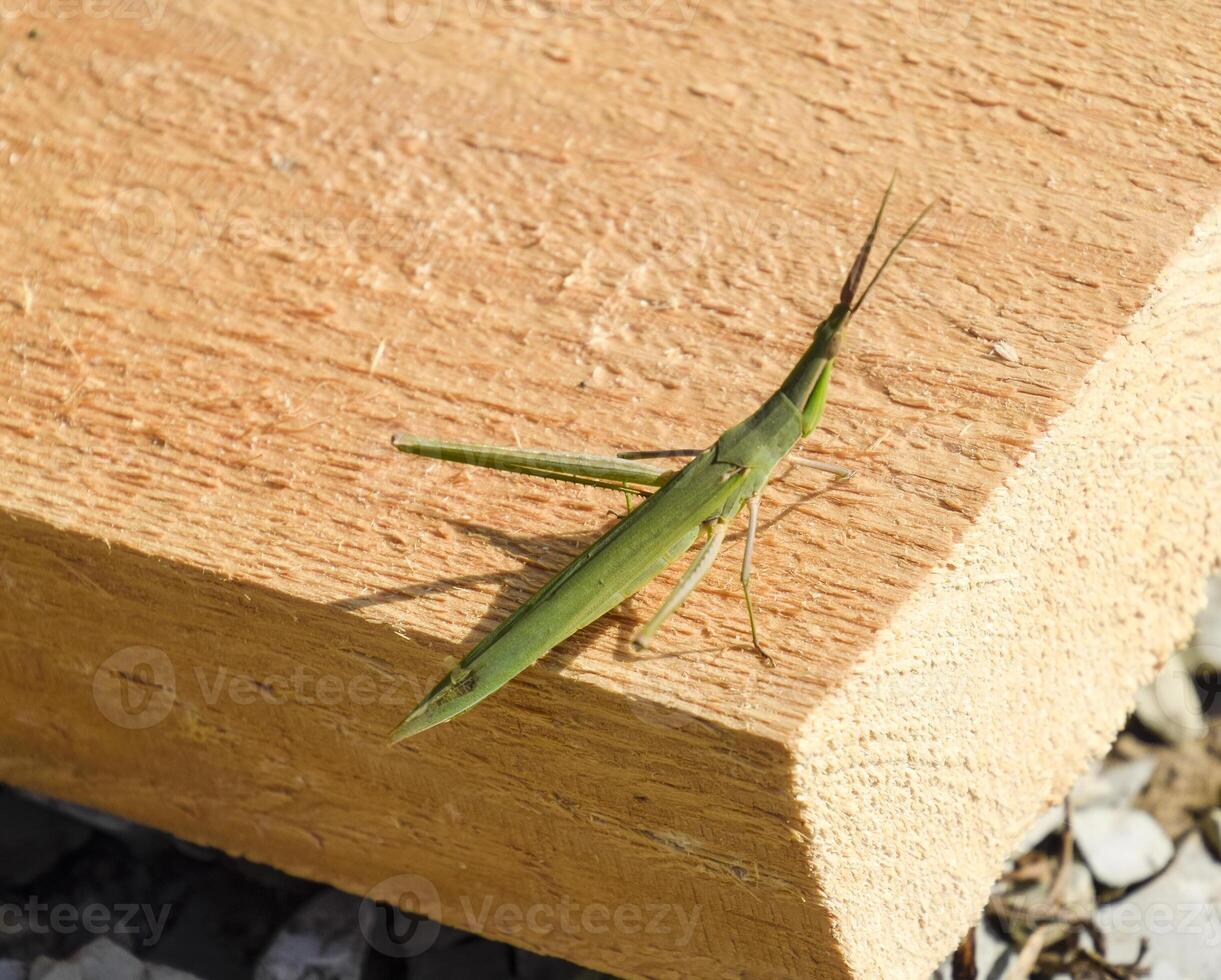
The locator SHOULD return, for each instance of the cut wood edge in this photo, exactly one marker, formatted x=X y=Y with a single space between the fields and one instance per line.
x=166 y=694
x=1016 y=663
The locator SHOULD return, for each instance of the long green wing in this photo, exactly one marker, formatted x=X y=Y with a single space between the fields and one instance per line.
x=614 y=567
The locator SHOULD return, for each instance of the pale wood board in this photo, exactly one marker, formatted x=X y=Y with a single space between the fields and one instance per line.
x=242 y=245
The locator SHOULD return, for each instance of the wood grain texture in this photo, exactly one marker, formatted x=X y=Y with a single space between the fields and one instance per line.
x=242 y=245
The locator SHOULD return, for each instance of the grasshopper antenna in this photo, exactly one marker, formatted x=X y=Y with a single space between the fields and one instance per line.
x=895 y=248
x=862 y=257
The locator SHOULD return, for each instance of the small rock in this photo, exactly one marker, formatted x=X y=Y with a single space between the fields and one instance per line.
x=102 y=959
x=1121 y=847
x=1170 y=706
x=1179 y=913
x=158 y=972
x=322 y=941
x=1047 y=824
x=992 y=956
x=1203 y=656
x=474 y=958
x=1114 y=785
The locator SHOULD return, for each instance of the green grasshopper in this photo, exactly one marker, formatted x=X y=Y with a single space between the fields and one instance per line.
x=701 y=498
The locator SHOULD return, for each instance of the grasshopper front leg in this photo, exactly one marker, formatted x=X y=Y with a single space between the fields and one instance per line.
x=690 y=579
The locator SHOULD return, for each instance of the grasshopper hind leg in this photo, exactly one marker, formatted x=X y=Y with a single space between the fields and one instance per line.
x=658 y=453
x=607 y=472
x=839 y=472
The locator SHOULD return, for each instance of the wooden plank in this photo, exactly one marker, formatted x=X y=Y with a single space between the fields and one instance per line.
x=242 y=246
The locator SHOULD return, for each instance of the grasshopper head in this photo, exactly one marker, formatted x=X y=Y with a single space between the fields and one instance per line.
x=827 y=336
x=806 y=385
